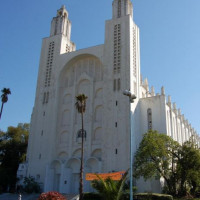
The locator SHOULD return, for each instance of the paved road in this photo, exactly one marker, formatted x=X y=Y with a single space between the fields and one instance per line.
x=7 y=196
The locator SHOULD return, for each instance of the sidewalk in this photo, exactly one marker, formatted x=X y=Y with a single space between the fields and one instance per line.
x=8 y=196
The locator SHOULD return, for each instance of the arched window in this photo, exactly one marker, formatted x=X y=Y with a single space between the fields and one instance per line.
x=149 y=118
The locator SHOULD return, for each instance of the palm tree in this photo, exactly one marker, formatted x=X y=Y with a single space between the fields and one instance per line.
x=4 y=98
x=81 y=106
x=109 y=189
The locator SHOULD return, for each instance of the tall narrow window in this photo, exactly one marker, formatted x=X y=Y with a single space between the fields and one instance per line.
x=119 y=9
x=47 y=97
x=116 y=151
x=114 y=85
x=117 y=48
x=118 y=84
x=134 y=53
x=149 y=118
x=44 y=97
x=49 y=64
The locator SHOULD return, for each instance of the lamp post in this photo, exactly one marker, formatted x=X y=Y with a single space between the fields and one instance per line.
x=131 y=100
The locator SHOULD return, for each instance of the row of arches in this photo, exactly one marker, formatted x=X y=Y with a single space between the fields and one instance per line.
x=87 y=64
x=64 y=176
x=67 y=98
x=96 y=136
x=66 y=116
x=63 y=155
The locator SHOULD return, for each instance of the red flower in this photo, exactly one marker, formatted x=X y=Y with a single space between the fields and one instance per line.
x=51 y=196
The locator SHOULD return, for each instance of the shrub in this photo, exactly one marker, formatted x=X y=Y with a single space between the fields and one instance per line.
x=92 y=196
x=152 y=196
x=51 y=196
x=30 y=185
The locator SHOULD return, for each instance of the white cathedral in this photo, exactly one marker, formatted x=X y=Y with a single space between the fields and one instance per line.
x=102 y=73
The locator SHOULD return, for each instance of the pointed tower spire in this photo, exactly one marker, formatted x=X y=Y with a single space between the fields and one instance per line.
x=152 y=91
x=169 y=99
x=61 y=24
x=162 y=91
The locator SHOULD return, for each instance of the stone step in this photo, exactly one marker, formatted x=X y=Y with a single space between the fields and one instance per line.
x=71 y=196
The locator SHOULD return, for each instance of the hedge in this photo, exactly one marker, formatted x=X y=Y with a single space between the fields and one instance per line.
x=138 y=196
x=91 y=196
x=152 y=196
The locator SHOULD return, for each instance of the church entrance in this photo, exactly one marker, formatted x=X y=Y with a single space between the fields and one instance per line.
x=72 y=169
x=56 y=186
x=75 y=183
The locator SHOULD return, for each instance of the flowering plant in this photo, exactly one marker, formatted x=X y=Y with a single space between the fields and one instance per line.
x=51 y=196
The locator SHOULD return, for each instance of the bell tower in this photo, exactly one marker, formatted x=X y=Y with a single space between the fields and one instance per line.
x=122 y=72
x=122 y=8
x=61 y=24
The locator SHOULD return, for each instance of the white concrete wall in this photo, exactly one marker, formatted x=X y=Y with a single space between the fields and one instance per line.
x=54 y=149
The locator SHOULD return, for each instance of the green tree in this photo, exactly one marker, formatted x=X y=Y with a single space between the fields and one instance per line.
x=4 y=98
x=109 y=189
x=188 y=168
x=157 y=157
x=13 y=146
x=160 y=156
x=81 y=106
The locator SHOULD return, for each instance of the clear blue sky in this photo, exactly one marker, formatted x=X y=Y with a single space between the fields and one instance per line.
x=170 y=47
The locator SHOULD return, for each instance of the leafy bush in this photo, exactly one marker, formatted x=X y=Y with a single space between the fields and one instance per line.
x=152 y=196
x=30 y=185
x=92 y=196
x=126 y=193
x=51 y=196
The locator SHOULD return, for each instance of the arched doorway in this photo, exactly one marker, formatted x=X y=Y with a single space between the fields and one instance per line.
x=71 y=174
x=92 y=166
x=56 y=172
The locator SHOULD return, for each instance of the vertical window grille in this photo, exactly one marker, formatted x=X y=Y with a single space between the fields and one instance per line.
x=119 y=9
x=149 y=118
x=114 y=85
x=119 y=84
x=117 y=48
x=44 y=97
x=134 y=53
x=47 y=97
x=67 y=48
x=49 y=65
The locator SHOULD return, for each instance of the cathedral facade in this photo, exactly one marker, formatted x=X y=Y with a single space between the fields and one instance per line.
x=102 y=73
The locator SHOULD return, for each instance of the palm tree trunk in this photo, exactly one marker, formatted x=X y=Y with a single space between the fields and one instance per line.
x=82 y=153
x=1 y=109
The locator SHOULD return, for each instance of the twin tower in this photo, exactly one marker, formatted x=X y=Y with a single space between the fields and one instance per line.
x=102 y=73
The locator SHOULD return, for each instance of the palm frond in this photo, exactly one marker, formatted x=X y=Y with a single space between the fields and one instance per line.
x=5 y=93
x=108 y=188
x=81 y=103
